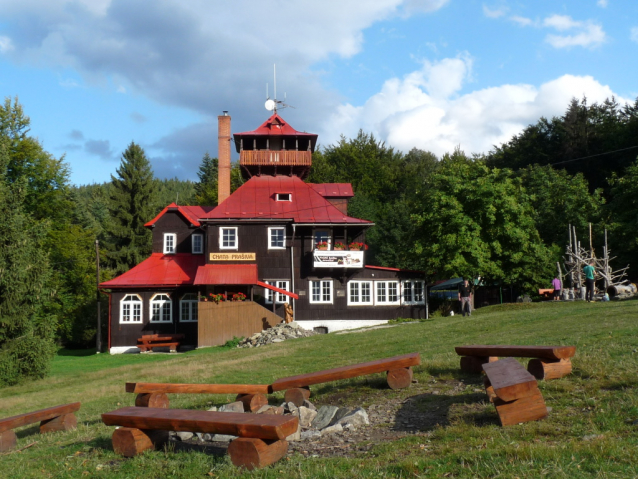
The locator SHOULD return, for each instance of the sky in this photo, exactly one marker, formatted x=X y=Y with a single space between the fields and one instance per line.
x=95 y=75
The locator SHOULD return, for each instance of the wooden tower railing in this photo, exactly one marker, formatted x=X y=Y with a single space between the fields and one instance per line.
x=275 y=158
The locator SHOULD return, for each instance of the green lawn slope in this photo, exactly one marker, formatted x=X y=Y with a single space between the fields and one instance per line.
x=591 y=430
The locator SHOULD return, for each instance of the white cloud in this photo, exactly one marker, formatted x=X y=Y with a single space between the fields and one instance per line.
x=602 y=3
x=418 y=111
x=523 y=21
x=495 y=12
x=6 y=45
x=423 y=6
x=586 y=34
x=634 y=34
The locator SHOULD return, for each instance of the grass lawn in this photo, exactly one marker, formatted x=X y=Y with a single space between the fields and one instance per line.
x=591 y=430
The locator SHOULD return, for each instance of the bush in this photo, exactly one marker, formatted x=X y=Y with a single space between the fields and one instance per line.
x=232 y=343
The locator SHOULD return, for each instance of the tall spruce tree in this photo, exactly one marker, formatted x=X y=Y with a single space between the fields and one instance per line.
x=132 y=204
x=26 y=330
x=206 y=188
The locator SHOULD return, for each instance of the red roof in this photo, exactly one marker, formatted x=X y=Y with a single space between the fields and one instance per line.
x=159 y=270
x=190 y=213
x=257 y=199
x=275 y=125
x=333 y=190
x=226 y=274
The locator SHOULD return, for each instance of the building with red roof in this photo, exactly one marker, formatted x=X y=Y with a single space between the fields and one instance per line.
x=276 y=239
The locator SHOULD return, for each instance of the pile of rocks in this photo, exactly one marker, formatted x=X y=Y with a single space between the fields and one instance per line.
x=313 y=422
x=278 y=334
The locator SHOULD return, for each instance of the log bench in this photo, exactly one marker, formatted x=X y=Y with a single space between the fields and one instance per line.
x=548 y=362
x=149 y=341
x=155 y=394
x=514 y=392
x=57 y=418
x=399 y=375
x=261 y=440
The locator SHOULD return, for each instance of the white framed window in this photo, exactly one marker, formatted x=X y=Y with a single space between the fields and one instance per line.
x=188 y=308
x=280 y=298
x=284 y=197
x=360 y=293
x=387 y=292
x=161 y=309
x=413 y=292
x=322 y=236
x=227 y=237
x=276 y=237
x=170 y=240
x=321 y=291
x=197 y=243
x=131 y=309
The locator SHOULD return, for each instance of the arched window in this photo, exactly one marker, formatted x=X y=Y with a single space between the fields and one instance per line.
x=131 y=309
x=161 y=309
x=188 y=308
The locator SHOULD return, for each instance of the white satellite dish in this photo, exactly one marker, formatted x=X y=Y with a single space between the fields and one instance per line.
x=270 y=105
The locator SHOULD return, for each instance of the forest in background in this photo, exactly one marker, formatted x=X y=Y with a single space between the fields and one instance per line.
x=502 y=215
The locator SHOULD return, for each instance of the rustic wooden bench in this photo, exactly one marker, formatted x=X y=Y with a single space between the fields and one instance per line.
x=399 y=375
x=57 y=418
x=514 y=392
x=149 y=341
x=155 y=394
x=261 y=438
x=549 y=362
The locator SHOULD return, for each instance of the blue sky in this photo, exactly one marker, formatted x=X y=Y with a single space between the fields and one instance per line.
x=94 y=75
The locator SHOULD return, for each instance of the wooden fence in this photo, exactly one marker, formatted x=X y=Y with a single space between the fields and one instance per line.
x=217 y=323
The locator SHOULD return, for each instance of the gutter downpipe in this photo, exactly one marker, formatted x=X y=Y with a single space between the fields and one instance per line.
x=292 y=272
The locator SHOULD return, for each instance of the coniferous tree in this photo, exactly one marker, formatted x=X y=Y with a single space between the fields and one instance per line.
x=206 y=188
x=132 y=204
x=26 y=330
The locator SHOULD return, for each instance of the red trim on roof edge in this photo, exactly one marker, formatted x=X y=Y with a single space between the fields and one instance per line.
x=385 y=268
x=179 y=210
x=279 y=290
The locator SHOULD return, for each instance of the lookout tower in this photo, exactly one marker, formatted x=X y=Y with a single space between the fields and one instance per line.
x=275 y=148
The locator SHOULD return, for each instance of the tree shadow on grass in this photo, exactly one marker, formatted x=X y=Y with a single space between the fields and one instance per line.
x=424 y=412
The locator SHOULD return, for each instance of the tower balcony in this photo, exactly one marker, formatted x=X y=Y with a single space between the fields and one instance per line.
x=275 y=158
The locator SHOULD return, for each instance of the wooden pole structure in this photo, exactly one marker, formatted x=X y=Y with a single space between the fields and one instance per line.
x=98 y=336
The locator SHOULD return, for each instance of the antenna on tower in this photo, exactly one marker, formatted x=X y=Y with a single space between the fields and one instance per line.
x=274 y=104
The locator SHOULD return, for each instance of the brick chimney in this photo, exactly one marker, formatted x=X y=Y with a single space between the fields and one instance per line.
x=223 y=156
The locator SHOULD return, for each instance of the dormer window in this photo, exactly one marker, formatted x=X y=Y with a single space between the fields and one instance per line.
x=169 y=243
x=284 y=197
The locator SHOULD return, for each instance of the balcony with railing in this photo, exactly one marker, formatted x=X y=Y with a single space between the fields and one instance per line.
x=275 y=158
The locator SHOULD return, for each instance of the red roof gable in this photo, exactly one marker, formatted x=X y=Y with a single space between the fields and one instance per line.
x=256 y=199
x=333 y=190
x=275 y=125
x=159 y=270
x=226 y=274
x=190 y=213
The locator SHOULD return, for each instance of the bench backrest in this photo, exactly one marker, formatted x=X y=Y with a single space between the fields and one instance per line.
x=146 y=388
x=37 y=416
x=510 y=379
x=345 y=372
x=161 y=337
x=262 y=426
x=541 y=352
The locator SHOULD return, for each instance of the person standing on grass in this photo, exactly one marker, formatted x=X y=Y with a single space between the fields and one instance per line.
x=557 y=284
x=465 y=297
x=589 y=281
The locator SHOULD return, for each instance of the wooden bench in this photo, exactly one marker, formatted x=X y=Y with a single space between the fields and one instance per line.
x=261 y=438
x=399 y=375
x=549 y=362
x=514 y=392
x=57 y=418
x=149 y=341
x=155 y=394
